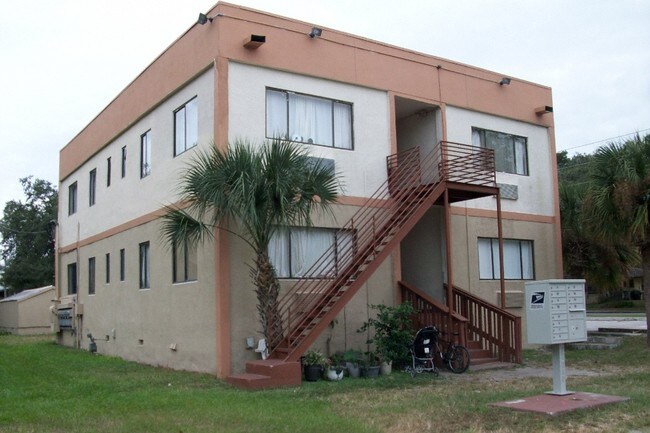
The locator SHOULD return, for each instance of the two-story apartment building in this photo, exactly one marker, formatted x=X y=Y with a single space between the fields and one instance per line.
x=475 y=171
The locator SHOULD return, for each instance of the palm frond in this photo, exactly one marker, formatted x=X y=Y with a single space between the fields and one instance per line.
x=257 y=189
x=178 y=227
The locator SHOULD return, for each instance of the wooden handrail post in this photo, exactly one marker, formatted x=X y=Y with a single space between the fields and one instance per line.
x=502 y=281
x=450 y=277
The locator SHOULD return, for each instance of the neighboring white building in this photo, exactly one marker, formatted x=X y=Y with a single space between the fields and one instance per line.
x=251 y=75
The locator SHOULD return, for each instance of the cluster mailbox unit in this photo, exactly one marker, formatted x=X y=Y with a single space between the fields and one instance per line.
x=556 y=313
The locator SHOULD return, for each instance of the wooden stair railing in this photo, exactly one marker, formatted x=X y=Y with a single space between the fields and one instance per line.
x=431 y=312
x=413 y=185
x=497 y=330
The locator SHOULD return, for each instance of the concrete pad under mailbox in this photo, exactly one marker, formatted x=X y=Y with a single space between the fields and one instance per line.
x=559 y=404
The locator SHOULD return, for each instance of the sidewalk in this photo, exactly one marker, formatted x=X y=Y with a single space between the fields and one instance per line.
x=633 y=324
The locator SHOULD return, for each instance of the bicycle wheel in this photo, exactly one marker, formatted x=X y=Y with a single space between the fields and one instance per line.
x=457 y=359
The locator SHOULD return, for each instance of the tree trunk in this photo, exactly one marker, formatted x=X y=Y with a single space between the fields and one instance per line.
x=645 y=254
x=267 y=289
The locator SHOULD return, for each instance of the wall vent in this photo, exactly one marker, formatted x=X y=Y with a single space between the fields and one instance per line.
x=508 y=191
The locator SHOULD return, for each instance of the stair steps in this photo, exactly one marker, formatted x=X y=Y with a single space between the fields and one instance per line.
x=478 y=355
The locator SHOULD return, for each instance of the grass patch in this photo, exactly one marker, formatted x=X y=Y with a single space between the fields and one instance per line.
x=49 y=388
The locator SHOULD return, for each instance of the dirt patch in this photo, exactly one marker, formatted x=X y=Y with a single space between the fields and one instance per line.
x=515 y=373
x=525 y=372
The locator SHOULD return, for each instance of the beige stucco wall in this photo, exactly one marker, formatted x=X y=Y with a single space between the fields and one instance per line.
x=466 y=231
x=131 y=197
x=142 y=323
x=186 y=315
x=380 y=289
x=363 y=169
x=423 y=254
x=536 y=191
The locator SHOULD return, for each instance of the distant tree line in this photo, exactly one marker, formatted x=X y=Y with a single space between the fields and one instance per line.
x=605 y=212
x=27 y=231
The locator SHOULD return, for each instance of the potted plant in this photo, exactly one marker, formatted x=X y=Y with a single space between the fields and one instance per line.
x=313 y=363
x=333 y=370
x=371 y=366
x=353 y=358
x=392 y=332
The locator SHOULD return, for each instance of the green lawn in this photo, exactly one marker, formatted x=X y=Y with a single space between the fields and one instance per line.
x=48 y=388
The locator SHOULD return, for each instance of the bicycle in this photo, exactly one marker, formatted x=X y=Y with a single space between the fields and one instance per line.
x=456 y=356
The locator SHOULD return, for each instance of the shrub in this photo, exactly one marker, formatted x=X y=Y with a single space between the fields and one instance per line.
x=393 y=332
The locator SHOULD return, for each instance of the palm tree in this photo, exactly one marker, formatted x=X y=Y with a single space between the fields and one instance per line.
x=602 y=264
x=619 y=201
x=251 y=192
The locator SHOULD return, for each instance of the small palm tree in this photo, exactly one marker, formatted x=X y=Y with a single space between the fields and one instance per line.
x=251 y=192
x=619 y=201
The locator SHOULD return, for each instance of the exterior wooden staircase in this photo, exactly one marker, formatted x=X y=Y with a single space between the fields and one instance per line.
x=414 y=183
x=491 y=334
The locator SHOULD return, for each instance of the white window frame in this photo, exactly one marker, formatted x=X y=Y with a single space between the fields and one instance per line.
x=123 y=162
x=108 y=268
x=518 y=148
x=329 y=122
x=145 y=154
x=186 y=126
x=122 y=264
x=72 y=279
x=72 y=198
x=519 y=259
x=290 y=258
x=145 y=265
x=184 y=263
x=92 y=272
x=92 y=187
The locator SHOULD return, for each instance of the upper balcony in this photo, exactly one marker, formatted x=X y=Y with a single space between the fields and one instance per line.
x=468 y=171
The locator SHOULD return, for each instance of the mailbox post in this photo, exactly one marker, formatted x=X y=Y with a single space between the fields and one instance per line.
x=556 y=314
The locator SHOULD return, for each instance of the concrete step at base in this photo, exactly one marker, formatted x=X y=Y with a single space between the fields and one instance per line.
x=268 y=373
x=480 y=361
x=604 y=339
x=599 y=341
x=249 y=381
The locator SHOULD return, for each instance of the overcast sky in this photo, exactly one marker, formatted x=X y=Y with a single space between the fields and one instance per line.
x=63 y=61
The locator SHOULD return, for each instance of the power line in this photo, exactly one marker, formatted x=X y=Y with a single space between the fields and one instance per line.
x=567 y=167
x=608 y=139
x=19 y=232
